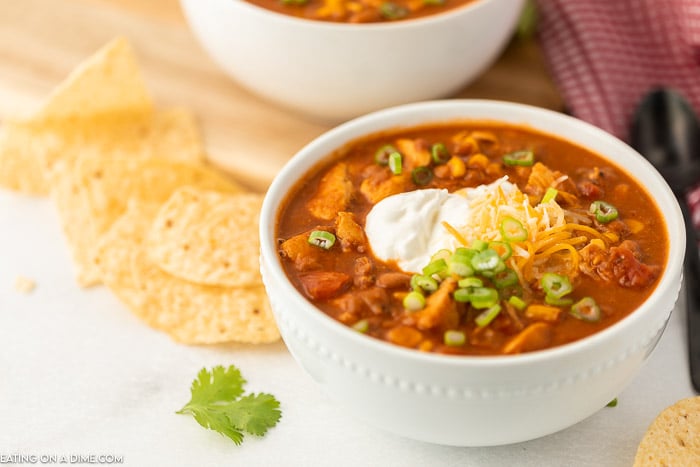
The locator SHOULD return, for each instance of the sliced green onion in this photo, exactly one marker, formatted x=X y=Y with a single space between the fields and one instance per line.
x=505 y=278
x=361 y=326
x=439 y=267
x=513 y=230
x=395 y=164
x=424 y=283
x=467 y=252
x=321 y=238
x=549 y=195
x=563 y=301
x=481 y=304
x=454 y=338
x=421 y=175
x=612 y=403
x=390 y=10
x=381 y=157
x=460 y=265
x=520 y=158
x=603 y=212
x=439 y=150
x=483 y=297
x=517 y=302
x=586 y=309
x=555 y=285
x=462 y=295
x=499 y=268
x=485 y=317
x=443 y=253
x=414 y=301
x=479 y=245
x=471 y=282
x=503 y=249
x=486 y=260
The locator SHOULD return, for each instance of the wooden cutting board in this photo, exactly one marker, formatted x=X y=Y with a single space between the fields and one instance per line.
x=41 y=41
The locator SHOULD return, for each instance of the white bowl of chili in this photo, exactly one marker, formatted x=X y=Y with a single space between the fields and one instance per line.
x=333 y=71
x=511 y=394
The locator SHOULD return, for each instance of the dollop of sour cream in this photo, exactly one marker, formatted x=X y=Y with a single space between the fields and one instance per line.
x=408 y=227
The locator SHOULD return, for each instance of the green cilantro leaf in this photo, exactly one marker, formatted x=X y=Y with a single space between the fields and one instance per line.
x=255 y=413
x=214 y=419
x=222 y=384
x=217 y=403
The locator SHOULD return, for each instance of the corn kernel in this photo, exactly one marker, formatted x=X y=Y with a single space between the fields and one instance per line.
x=479 y=161
x=464 y=143
x=634 y=225
x=425 y=346
x=457 y=167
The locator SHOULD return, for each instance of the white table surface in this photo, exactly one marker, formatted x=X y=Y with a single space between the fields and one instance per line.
x=80 y=376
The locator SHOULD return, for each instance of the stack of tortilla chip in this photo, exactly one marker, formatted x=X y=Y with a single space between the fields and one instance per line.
x=142 y=213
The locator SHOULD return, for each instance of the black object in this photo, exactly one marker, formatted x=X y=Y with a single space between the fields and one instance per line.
x=666 y=131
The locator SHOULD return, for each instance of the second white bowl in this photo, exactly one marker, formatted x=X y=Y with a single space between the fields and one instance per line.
x=333 y=71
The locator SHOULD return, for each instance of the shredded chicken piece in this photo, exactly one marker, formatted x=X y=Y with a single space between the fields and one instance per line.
x=415 y=152
x=349 y=232
x=304 y=255
x=333 y=195
x=440 y=309
x=535 y=336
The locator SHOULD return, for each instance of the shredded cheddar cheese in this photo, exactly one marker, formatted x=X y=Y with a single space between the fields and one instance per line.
x=550 y=235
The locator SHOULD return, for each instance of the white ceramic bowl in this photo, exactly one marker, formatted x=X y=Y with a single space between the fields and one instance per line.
x=333 y=72
x=469 y=401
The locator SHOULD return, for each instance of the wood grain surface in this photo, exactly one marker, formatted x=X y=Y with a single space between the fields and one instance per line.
x=42 y=40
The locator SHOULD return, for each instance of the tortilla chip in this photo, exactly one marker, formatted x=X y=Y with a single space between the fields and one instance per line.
x=673 y=438
x=108 y=82
x=189 y=313
x=208 y=237
x=101 y=105
x=98 y=191
x=20 y=168
x=32 y=154
x=170 y=134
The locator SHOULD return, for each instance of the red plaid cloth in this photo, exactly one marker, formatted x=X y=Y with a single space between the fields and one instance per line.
x=605 y=55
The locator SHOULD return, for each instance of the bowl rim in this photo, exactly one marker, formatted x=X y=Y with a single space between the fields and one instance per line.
x=362 y=28
x=428 y=112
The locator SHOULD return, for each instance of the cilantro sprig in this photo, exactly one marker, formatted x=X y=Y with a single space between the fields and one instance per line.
x=218 y=403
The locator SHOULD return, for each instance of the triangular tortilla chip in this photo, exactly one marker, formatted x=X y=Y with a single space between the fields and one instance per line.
x=108 y=82
x=32 y=153
x=99 y=190
x=190 y=313
x=171 y=134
